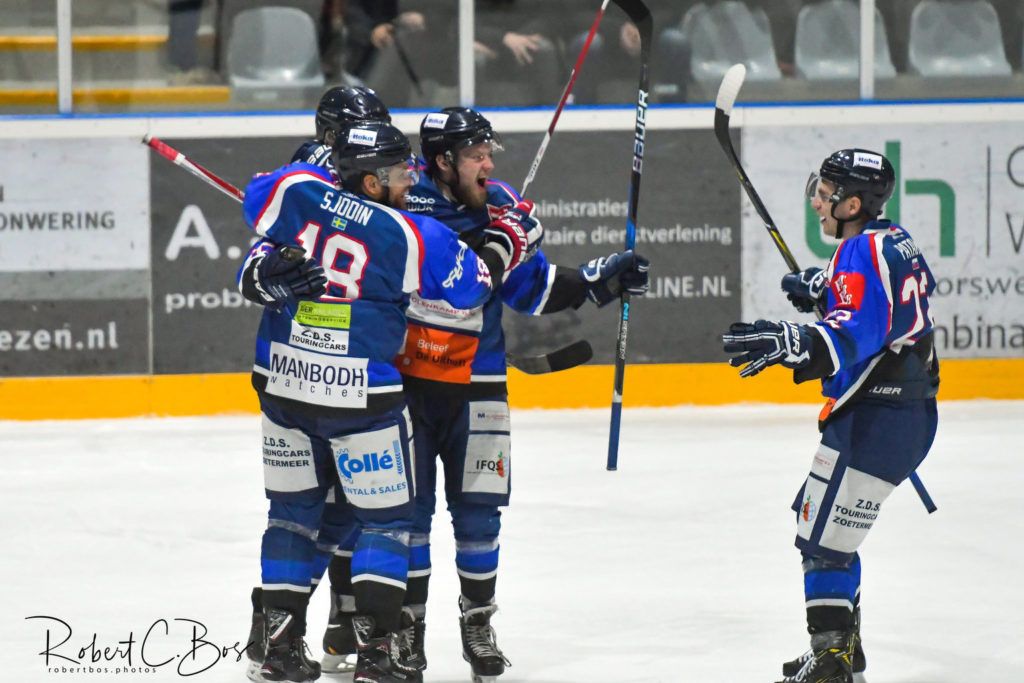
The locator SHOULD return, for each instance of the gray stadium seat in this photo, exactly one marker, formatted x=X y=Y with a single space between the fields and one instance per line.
x=273 y=50
x=728 y=32
x=960 y=38
x=828 y=42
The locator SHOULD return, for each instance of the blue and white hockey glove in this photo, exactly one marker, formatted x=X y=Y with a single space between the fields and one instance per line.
x=765 y=343
x=806 y=289
x=515 y=235
x=285 y=273
x=607 y=277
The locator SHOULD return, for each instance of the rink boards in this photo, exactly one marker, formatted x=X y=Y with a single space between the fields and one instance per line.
x=118 y=268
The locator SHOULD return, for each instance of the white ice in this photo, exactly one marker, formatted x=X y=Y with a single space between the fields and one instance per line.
x=679 y=567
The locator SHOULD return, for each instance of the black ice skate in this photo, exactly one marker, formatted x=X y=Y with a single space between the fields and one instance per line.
x=413 y=637
x=383 y=657
x=339 y=641
x=479 y=645
x=285 y=656
x=830 y=660
x=860 y=663
x=256 y=646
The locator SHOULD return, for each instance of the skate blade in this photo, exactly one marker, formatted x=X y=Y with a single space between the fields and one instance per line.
x=338 y=664
x=484 y=679
x=859 y=678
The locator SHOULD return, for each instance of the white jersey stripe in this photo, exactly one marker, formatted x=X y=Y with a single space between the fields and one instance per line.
x=411 y=277
x=272 y=209
x=548 y=286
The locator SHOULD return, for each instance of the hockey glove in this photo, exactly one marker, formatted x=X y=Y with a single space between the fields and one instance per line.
x=765 y=343
x=607 y=277
x=515 y=235
x=284 y=274
x=806 y=289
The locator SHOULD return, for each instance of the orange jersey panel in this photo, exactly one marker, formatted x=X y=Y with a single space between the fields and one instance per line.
x=437 y=355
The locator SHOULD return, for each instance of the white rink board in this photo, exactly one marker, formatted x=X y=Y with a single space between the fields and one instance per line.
x=979 y=270
x=678 y=567
x=74 y=205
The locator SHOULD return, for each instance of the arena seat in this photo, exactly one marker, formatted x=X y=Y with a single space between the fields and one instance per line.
x=828 y=42
x=727 y=32
x=961 y=38
x=272 y=51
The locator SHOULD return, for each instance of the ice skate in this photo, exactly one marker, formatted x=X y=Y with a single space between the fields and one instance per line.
x=479 y=644
x=285 y=658
x=339 y=641
x=383 y=657
x=829 y=661
x=791 y=667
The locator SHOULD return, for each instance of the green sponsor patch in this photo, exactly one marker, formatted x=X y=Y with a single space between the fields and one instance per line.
x=337 y=316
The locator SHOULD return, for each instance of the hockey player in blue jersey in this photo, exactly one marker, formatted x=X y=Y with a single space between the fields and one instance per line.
x=874 y=353
x=334 y=417
x=453 y=366
x=339 y=107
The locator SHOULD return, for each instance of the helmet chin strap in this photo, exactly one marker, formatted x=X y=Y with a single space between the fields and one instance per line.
x=841 y=222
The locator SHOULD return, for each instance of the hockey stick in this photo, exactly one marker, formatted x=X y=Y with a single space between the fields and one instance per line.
x=179 y=159
x=641 y=18
x=727 y=93
x=577 y=353
x=574 y=354
x=565 y=98
x=403 y=57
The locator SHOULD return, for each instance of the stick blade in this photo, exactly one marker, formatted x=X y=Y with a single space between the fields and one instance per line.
x=577 y=353
x=730 y=88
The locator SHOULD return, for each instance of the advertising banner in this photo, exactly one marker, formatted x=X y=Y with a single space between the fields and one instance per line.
x=67 y=337
x=959 y=192
x=201 y=323
x=688 y=228
x=81 y=205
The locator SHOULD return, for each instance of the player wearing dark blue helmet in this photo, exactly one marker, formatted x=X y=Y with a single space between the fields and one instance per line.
x=339 y=108
x=454 y=371
x=874 y=353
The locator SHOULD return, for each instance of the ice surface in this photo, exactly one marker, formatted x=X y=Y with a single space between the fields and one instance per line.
x=678 y=567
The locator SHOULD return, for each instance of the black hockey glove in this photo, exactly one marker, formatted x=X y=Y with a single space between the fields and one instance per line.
x=765 y=343
x=285 y=273
x=607 y=277
x=806 y=289
x=515 y=235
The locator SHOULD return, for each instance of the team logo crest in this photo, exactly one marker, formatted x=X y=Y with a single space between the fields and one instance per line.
x=809 y=510
x=501 y=465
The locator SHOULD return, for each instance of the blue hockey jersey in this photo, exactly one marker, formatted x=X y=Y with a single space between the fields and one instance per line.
x=879 y=285
x=463 y=345
x=337 y=350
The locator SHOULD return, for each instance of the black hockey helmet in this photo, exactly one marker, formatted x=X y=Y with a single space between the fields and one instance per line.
x=451 y=129
x=861 y=173
x=344 y=105
x=370 y=147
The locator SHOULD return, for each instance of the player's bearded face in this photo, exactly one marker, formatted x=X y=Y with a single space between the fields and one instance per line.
x=400 y=178
x=475 y=165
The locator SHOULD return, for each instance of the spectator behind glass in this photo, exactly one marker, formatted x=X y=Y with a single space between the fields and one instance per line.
x=392 y=47
x=182 y=44
x=515 y=46
x=613 y=59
